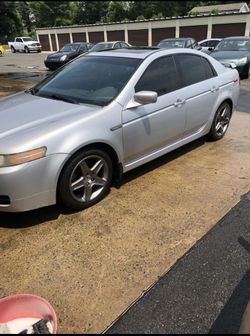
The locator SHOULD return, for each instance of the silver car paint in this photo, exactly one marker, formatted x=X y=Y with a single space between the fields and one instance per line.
x=137 y=135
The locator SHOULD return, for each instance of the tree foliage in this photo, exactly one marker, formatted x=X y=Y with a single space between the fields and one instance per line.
x=10 y=22
x=16 y=16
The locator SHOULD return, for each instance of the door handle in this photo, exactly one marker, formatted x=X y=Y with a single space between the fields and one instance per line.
x=214 y=88
x=179 y=102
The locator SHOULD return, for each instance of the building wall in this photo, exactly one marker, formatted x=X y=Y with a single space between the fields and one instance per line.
x=148 y=32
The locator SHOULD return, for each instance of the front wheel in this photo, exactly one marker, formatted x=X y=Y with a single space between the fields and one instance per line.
x=221 y=122
x=26 y=50
x=85 y=180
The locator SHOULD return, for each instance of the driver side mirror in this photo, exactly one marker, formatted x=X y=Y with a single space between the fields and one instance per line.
x=143 y=98
x=210 y=48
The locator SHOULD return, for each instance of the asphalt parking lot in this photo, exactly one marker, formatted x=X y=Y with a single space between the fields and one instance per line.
x=93 y=264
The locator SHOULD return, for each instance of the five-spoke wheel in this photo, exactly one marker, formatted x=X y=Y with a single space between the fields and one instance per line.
x=85 y=179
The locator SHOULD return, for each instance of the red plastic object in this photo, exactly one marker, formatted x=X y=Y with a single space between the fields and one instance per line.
x=26 y=306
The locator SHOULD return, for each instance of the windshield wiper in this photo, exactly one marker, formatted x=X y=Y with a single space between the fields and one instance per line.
x=67 y=100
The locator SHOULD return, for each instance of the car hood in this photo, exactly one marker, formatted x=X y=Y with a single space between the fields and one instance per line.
x=31 y=42
x=61 y=53
x=229 y=55
x=23 y=111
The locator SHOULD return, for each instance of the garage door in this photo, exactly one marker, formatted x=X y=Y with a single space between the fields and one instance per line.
x=63 y=39
x=79 y=37
x=228 y=29
x=197 y=32
x=138 y=37
x=159 y=34
x=95 y=37
x=44 y=40
x=116 y=35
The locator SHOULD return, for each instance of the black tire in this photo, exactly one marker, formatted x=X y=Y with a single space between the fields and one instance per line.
x=1 y=54
x=26 y=50
x=39 y=51
x=13 y=50
x=88 y=186
x=220 y=123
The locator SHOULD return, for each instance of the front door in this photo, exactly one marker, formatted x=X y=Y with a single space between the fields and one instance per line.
x=151 y=127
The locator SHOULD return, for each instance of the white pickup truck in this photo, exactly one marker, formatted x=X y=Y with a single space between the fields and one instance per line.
x=24 y=44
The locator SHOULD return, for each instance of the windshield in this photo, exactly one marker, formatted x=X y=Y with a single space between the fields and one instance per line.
x=27 y=39
x=234 y=45
x=102 y=46
x=70 y=47
x=172 y=44
x=91 y=80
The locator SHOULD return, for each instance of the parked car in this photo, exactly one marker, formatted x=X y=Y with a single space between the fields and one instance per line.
x=2 y=50
x=67 y=53
x=179 y=43
x=24 y=44
x=208 y=43
x=109 y=45
x=104 y=114
x=234 y=50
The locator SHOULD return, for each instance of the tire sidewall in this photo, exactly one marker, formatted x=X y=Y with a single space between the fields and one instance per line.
x=64 y=195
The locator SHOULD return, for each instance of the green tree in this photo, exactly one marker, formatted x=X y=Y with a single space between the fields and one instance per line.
x=24 y=10
x=53 y=13
x=117 y=11
x=10 y=23
x=89 y=12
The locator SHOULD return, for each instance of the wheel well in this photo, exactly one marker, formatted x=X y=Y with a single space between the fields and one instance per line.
x=117 y=170
x=230 y=102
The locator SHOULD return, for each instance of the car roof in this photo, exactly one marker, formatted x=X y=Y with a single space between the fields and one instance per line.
x=140 y=52
x=237 y=37
x=178 y=38
x=103 y=42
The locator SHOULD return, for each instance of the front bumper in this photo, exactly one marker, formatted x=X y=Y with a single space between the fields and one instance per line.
x=54 y=64
x=32 y=185
x=35 y=48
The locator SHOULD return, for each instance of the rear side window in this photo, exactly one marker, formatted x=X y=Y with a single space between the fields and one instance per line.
x=160 y=76
x=193 y=69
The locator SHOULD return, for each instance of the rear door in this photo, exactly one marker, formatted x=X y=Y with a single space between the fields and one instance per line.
x=201 y=85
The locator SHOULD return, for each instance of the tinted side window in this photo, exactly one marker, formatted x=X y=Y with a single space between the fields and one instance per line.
x=213 y=44
x=205 y=44
x=193 y=69
x=160 y=76
x=19 y=40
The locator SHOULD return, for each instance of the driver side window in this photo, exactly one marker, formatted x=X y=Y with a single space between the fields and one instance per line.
x=160 y=76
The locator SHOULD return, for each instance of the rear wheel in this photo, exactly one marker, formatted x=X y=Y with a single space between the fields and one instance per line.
x=13 y=50
x=221 y=122
x=85 y=179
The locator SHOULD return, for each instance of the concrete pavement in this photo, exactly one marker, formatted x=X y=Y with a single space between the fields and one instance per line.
x=93 y=264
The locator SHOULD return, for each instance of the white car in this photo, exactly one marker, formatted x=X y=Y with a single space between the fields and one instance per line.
x=24 y=44
x=209 y=43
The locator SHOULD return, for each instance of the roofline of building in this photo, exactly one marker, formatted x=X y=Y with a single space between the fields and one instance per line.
x=148 y=20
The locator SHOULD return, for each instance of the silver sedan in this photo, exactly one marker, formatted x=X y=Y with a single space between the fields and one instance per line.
x=104 y=114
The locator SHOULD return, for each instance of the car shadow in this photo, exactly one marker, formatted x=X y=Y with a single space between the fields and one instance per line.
x=31 y=218
x=229 y=320
x=47 y=214
x=152 y=165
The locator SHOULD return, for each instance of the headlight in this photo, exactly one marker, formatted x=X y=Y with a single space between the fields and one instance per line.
x=19 y=158
x=63 y=58
x=242 y=60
